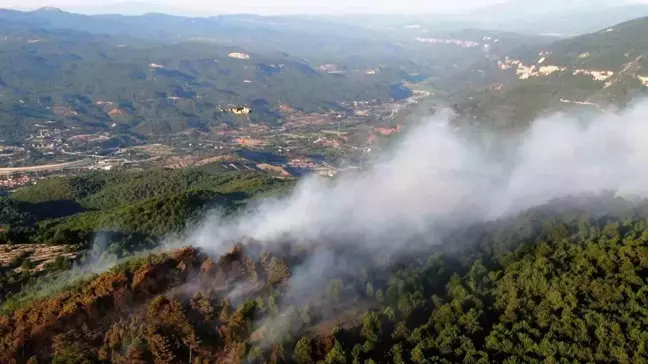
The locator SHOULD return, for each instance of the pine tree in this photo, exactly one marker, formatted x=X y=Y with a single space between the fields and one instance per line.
x=336 y=355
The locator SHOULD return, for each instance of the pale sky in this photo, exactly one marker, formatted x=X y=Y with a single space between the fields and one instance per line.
x=263 y=6
x=211 y=7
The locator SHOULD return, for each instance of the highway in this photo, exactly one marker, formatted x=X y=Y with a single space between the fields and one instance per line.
x=47 y=167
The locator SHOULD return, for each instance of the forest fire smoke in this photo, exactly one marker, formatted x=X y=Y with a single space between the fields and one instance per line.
x=434 y=179
x=433 y=182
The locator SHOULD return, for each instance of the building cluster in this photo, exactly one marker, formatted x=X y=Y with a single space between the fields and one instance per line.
x=240 y=110
x=15 y=182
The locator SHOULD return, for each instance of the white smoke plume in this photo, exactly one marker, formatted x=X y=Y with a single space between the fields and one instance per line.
x=560 y=156
x=435 y=178
x=432 y=182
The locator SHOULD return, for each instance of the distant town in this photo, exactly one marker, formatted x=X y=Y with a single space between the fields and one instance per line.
x=303 y=143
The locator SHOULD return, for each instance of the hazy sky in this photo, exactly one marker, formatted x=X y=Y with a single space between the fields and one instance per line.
x=263 y=6
x=211 y=7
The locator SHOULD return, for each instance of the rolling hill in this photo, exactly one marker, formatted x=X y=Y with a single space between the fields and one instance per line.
x=596 y=72
x=152 y=203
x=158 y=74
x=305 y=36
x=100 y=82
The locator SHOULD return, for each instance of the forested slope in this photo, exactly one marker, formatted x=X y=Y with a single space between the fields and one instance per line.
x=592 y=73
x=90 y=81
x=560 y=283
x=152 y=203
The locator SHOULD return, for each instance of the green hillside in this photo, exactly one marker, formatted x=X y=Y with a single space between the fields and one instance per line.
x=151 y=203
x=108 y=215
x=592 y=73
x=96 y=82
x=562 y=283
x=610 y=48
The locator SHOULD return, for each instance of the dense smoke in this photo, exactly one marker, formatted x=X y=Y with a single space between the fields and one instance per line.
x=435 y=178
x=400 y=196
x=560 y=157
x=432 y=182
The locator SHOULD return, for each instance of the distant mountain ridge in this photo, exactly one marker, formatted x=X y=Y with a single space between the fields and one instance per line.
x=530 y=8
x=597 y=72
x=137 y=19
x=567 y=18
x=135 y=8
x=157 y=25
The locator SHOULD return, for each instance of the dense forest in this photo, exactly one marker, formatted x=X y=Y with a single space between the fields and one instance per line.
x=565 y=282
x=153 y=203
x=110 y=215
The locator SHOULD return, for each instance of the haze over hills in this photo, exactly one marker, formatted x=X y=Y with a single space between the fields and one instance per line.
x=400 y=52
x=157 y=74
x=134 y=8
x=566 y=18
x=563 y=18
x=80 y=78
x=518 y=10
x=134 y=44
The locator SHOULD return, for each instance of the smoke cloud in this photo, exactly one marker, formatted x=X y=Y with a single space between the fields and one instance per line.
x=436 y=178
x=561 y=156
